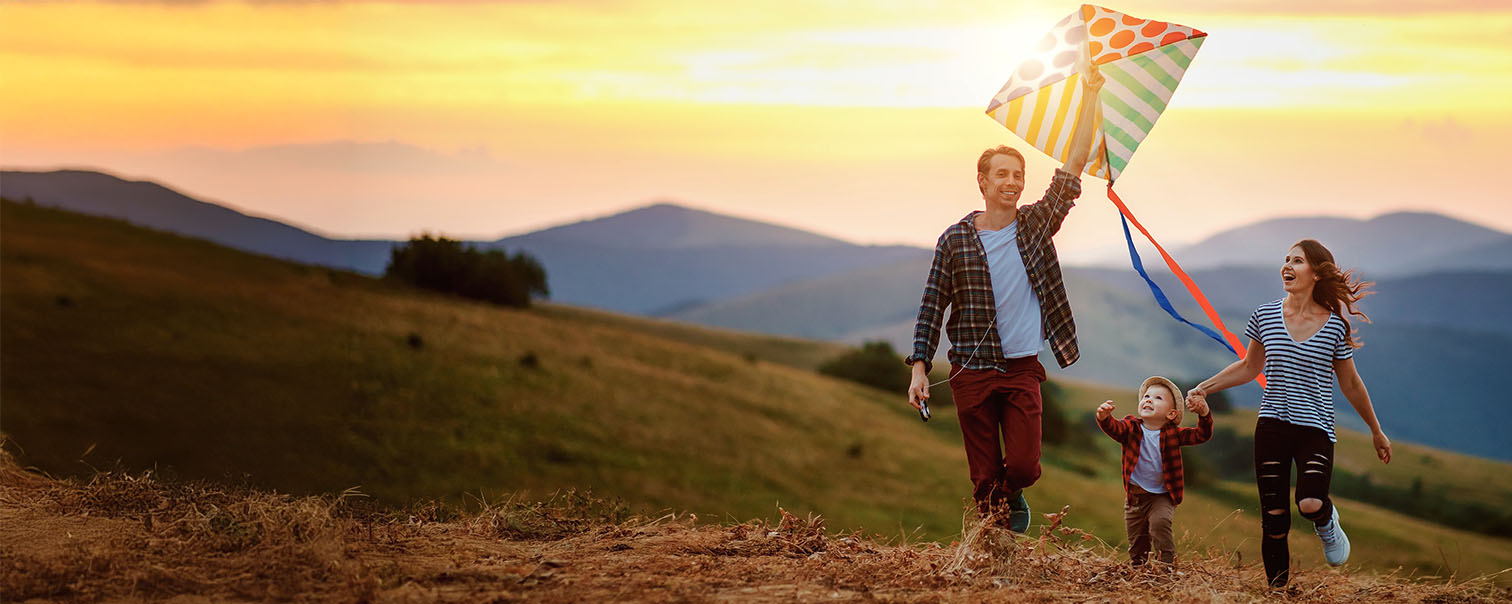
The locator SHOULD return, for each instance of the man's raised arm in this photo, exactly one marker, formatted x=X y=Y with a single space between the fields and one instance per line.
x=1086 y=121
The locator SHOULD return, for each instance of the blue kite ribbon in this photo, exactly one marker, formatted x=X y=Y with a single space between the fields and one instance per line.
x=1160 y=296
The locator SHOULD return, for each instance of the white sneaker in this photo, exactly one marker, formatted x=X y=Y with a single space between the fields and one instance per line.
x=1335 y=542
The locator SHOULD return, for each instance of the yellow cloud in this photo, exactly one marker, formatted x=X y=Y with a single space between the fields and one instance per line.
x=241 y=74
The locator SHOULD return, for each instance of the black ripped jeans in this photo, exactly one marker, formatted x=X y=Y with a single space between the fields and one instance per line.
x=1277 y=445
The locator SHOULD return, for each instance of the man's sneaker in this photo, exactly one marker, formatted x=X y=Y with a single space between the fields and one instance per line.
x=1018 y=513
x=1335 y=542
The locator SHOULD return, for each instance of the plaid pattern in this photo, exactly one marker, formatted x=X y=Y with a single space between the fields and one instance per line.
x=959 y=278
x=1172 y=438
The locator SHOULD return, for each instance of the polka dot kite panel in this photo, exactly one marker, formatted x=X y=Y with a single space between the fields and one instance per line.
x=1113 y=35
x=1054 y=60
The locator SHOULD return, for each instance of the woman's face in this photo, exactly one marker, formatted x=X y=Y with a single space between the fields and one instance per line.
x=1297 y=276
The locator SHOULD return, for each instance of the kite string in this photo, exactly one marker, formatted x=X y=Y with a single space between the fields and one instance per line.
x=957 y=372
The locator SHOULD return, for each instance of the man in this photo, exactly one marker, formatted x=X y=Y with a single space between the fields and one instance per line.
x=998 y=268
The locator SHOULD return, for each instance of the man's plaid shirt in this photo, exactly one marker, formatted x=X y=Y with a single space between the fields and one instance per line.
x=1172 y=438
x=959 y=279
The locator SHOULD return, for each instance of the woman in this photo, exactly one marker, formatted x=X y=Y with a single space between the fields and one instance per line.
x=1303 y=342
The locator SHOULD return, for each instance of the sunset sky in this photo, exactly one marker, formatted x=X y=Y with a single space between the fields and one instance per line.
x=860 y=120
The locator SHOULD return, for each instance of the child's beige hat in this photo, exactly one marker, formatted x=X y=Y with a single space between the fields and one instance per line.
x=1178 y=404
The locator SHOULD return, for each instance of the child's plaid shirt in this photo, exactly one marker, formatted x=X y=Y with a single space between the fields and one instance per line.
x=1172 y=438
x=959 y=278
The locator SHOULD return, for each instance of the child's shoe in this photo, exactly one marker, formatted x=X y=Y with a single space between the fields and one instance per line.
x=1335 y=542
x=1018 y=513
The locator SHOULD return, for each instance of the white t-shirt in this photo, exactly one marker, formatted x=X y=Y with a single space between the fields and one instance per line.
x=1146 y=473
x=1018 y=309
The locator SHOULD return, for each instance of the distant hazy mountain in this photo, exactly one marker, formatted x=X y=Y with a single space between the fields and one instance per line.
x=663 y=257
x=1388 y=245
x=852 y=305
x=828 y=308
x=668 y=226
x=153 y=205
x=1465 y=299
x=654 y=258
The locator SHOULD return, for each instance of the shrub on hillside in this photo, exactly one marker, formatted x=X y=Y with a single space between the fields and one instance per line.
x=874 y=364
x=445 y=265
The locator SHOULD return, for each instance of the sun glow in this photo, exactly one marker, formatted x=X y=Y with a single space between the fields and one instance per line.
x=814 y=94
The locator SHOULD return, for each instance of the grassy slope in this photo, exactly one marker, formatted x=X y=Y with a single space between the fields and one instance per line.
x=214 y=363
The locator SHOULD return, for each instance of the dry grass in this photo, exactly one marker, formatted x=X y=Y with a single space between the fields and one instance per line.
x=133 y=537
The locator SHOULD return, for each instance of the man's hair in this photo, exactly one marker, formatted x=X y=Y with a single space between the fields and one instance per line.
x=985 y=161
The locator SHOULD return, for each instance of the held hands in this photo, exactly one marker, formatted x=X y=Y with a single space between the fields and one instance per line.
x=1105 y=410
x=1382 y=446
x=1194 y=395
x=1196 y=402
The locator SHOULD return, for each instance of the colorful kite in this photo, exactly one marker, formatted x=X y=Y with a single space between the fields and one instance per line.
x=1142 y=61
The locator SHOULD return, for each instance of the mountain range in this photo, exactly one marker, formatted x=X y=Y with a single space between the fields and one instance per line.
x=653 y=259
x=1389 y=245
x=1440 y=327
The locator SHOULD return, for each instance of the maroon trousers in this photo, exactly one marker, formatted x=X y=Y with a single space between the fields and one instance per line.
x=990 y=403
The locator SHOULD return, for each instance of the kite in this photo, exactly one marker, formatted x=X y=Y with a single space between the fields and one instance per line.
x=1142 y=61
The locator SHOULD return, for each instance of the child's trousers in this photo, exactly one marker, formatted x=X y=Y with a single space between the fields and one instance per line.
x=1147 y=518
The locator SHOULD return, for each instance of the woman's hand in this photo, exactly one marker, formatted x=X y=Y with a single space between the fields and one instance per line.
x=1382 y=446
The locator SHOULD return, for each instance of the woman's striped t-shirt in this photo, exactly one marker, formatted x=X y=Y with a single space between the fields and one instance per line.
x=1299 y=376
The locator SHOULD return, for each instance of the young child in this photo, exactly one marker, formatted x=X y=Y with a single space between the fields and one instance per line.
x=1152 y=470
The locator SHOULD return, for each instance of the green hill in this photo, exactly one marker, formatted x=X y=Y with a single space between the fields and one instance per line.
x=121 y=343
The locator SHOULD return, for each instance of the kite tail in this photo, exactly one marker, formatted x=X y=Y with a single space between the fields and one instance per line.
x=1228 y=340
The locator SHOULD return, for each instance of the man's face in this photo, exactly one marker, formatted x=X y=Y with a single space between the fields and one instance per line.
x=1004 y=180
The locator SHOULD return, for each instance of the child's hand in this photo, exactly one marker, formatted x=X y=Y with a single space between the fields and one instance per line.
x=1104 y=410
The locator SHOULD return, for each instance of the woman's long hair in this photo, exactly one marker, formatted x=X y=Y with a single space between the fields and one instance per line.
x=1335 y=290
